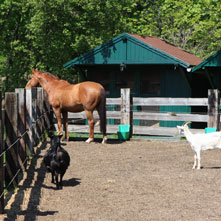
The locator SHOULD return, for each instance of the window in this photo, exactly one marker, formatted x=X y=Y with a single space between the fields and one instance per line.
x=150 y=82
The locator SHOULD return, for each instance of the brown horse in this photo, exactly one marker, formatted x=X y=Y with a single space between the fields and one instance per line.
x=65 y=97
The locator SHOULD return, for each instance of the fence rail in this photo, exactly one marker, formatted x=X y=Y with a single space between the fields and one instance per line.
x=170 y=101
x=153 y=114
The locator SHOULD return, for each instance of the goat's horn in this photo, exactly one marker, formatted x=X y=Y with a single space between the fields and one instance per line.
x=186 y=123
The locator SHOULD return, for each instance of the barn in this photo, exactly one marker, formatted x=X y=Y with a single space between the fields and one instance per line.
x=149 y=66
x=208 y=73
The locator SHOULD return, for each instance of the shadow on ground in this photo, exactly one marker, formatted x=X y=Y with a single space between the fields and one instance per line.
x=35 y=185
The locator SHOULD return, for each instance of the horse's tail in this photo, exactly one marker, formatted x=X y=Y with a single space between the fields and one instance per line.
x=102 y=112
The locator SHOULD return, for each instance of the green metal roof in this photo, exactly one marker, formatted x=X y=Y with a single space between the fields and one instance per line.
x=212 y=61
x=128 y=49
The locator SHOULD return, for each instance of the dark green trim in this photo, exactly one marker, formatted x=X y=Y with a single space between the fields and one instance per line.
x=207 y=61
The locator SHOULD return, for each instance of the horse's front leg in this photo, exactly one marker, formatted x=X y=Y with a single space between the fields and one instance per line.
x=65 y=124
x=90 y=117
x=57 y=112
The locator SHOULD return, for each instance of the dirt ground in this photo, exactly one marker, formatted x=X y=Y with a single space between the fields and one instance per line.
x=133 y=180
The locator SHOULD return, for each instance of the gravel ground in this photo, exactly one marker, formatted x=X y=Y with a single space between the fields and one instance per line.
x=133 y=180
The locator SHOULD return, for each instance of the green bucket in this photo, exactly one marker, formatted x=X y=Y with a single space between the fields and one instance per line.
x=124 y=132
x=210 y=130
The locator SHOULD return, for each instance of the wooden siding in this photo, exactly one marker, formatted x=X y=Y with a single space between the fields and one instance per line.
x=173 y=84
x=143 y=54
x=128 y=49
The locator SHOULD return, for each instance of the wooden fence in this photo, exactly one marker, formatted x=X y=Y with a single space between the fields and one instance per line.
x=124 y=113
x=24 y=120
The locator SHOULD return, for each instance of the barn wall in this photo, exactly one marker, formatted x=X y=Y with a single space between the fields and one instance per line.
x=145 y=81
x=139 y=53
x=173 y=84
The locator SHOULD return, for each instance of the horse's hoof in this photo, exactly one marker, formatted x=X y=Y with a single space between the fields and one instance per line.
x=97 y=124
x=104 y=140
x=89 y=140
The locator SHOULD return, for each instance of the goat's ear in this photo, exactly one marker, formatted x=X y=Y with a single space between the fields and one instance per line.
x=179 y=128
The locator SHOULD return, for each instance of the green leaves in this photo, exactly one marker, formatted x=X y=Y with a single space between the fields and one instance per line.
x=46 y=34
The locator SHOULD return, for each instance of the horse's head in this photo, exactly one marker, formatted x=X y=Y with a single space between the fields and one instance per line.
x=33 y=82
x=41 y=78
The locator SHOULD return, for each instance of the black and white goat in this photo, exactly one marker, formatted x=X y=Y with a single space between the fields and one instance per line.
x=56 y=160
x=200 y=142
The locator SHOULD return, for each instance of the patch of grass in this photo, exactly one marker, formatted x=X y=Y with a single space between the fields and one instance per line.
x=86 y=135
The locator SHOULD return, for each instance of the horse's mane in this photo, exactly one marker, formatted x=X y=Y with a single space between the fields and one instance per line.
x=49 y=74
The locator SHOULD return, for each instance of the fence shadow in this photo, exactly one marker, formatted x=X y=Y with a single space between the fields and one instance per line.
x=32 y=210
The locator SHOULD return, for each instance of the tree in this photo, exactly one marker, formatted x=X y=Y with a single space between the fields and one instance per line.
x=46 y=34
x=192 y=25
x=13 y=55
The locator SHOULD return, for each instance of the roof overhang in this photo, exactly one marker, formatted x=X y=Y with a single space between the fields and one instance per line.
x=213 y=61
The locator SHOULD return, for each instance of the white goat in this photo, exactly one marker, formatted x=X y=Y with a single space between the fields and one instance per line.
x=200 y=142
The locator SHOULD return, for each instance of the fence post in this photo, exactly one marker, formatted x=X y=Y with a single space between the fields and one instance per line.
x=39 y=112
x=213 y=108
x=34 y=92
x=11 y=125
x=126 y=108
x=21 y=125
x=1 y=160
x=29 y=125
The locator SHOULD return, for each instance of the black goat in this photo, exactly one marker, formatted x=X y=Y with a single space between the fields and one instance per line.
x=56 y=160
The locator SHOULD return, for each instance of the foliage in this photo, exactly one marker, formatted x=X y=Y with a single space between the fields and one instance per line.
x=46 y=34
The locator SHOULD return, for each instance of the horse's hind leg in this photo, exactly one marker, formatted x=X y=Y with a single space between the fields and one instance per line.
x=65 y=124
x=90 y=118
x=58 y=116
x=101 y=127
x=101 y=109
